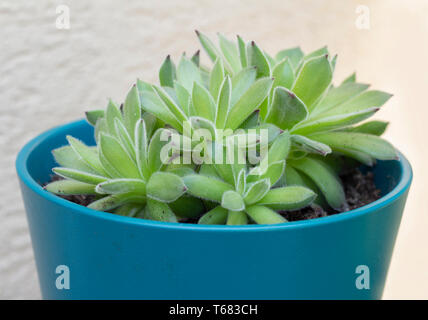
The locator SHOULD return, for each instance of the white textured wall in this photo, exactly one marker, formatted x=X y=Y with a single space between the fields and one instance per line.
x=50 y=76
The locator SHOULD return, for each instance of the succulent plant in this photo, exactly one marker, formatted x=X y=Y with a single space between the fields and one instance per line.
x=125 y=171
x=245 y=194
x=319 y=116
x=311 y=126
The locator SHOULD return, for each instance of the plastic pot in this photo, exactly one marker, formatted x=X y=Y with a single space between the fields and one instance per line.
x=85 y=254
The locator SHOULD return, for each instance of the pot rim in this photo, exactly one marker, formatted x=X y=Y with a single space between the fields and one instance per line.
x=25 y=177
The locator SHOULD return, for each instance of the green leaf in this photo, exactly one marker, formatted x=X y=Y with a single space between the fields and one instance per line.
x=100 y=126
x=312 y=80
x=283 y=74
x=256 y=191
x=216 y=79
x=249 y=102
x=241 y=182
x=188 y=73
x=363 y=101
x=288 y=198
x=278 y=151
x=295 y=55
x=223 y=104
x=218 y=215
x=334 y=121
x=206 y=188
x=232 y=200
x=257 y=58
x=129 y=210
x=156 y=160
x=376 y=128
x=203 y=102
x=372 y=145
x=338 y=96
x=118 y=157
x=70 y=187
x=208 y=46
x=324 y=178
x=66 y=157
x=131 y=110
x=273 y=173
x=152 y=103
x=141 y=141
x=79 y=175
x=264 y=215
x=160 y=211
x=230 y=53
x=286 y=109
x=183 y=97
x=241 y=82
x=165 y=187
x=114 y=201
x=87 y=154
x=124 y=138
x=350 y=79
x=236 y=218
x=112 y=113
x=310 y=145
x=116 y=186
x=242 y=47
x=93 y=115
x=196 y=58
x=202 y=123
x=171 y=105
x=167 y=73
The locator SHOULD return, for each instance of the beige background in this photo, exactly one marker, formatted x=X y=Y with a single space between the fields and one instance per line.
x=50 y=76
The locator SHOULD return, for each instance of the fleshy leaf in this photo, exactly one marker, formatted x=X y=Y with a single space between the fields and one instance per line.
x=89 y=155
x=325 y=179
x=93 y=115
x=310 y=145
x=283 y=74
x=367 y=143
x=249 y=102
x=295 y=55
x=216 y=78
x=131 y=110
x=116 y=186
x=376 y=128
x=230 y=52
x=288 y=198
x=118 y=157
x=203 y=102
x=167 y=73
x=160 y=211
x=188 y=73
x=232 y=200
x=218 y=215
x=312 y=80
x=257 y=58
x=236 y=218
x=206 y=188
x=256 y=191
x=70 y=187
x=165 y=187
x=223 y=104
x=242 y=47
x=286 y=109
x=264 y=215
x=79 y=175
x=66 y=157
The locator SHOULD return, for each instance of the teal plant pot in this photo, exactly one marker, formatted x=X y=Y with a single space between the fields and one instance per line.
x=85 y=254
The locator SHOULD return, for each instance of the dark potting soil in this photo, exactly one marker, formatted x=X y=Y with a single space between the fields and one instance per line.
x=359 y=187
x=360 y=190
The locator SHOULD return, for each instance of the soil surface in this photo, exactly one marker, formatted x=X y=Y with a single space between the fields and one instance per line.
x=360 y=190
x=359 y=187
